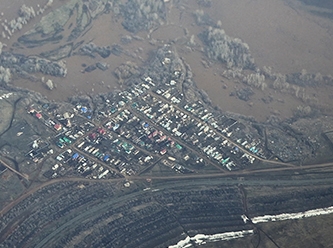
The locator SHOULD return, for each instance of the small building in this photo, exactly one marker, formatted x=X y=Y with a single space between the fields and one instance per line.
x=172 y=158
x=93 y=136
x=31 y=111
x=57 y=127
x=75 y=156
x=115 y=127
x=101 y=131
x=179 y=147
x=106 y=158
x=67 y=123
x=163 y=151
x=84 y=110
x=39 y=116
x=166 y=61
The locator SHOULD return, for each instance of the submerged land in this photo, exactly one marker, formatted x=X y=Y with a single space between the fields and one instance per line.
x=144 y=123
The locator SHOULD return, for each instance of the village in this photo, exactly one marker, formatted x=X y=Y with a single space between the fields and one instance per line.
x=149 y=123
x=146 y=123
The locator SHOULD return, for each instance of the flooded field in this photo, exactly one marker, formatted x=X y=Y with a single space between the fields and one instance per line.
x=280 y=33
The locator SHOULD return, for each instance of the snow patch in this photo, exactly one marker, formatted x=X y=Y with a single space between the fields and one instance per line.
x=293 y=216
x=201 y=239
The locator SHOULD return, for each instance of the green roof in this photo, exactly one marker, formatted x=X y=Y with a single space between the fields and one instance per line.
x=179 y=146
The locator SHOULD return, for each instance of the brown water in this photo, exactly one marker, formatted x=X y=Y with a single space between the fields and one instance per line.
x=285 y=38
x=105 y=32
x=279 y=36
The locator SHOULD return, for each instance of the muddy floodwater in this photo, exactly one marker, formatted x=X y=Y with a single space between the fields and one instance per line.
x=282 y=34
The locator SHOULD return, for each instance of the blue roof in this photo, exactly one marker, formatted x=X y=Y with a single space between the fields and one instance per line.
x=146 y=125
x=106 y=157
x=75 y=156
x=84 y=109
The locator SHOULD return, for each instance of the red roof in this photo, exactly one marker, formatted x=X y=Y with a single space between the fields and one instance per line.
x=57 y=126
x=101 y=130
x=155 y=133
x=39 y=115
x=163 y=151
x=93 y=136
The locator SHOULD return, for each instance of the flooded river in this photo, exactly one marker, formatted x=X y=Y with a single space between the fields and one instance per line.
x=280 y=34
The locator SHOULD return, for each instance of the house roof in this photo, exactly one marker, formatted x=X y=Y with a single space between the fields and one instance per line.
x=57 y=126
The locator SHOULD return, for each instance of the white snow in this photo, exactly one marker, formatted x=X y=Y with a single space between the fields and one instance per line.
x=201 y=239
x=293 y=216
x=4 y=96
